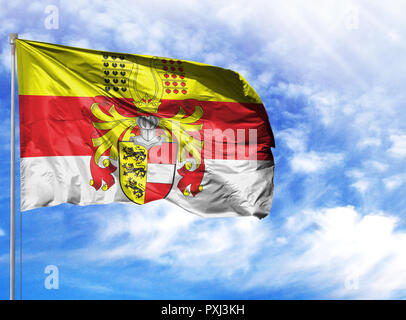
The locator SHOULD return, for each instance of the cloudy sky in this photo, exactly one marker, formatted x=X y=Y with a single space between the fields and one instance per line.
x=332 y=76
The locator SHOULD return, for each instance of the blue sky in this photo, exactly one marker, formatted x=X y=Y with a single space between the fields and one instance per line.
x=331 y=75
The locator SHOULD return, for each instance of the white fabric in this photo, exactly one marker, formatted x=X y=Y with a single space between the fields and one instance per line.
x=160 y=173
x=230 y=187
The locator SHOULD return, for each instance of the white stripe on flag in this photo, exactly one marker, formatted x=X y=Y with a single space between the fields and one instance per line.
x=230 y=187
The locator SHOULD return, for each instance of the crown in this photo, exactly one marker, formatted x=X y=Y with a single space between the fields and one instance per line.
x=148 y=104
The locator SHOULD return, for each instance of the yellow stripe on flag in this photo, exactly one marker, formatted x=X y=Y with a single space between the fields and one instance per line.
x=54 y=70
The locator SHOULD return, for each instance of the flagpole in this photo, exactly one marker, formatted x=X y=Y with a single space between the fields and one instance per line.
x=12 y=40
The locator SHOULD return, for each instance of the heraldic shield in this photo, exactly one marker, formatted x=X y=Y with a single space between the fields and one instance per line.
x=146 y=172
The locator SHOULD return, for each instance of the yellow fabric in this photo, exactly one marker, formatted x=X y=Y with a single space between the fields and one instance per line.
x=55 y=70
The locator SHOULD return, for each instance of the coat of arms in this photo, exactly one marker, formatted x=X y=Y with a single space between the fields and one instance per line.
x=146 y=149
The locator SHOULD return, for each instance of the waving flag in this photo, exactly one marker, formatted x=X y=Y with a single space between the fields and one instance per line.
x=99 y=127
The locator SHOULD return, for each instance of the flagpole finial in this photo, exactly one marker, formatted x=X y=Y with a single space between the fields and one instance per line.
x=12 y=38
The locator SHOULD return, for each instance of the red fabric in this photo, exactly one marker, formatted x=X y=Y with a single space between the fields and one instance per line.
x=62 y=126
x=156 y=191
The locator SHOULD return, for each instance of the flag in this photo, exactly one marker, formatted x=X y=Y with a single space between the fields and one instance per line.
x=98 y=127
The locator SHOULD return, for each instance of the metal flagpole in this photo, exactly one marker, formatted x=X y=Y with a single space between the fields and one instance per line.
x=12 y=40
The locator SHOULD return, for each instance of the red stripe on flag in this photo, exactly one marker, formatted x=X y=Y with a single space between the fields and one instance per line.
x=62 y=126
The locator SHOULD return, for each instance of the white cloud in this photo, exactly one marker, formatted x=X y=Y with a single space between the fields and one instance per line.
x=314 y=162
x=80 y=43
x=168 y=235
x=394 y=182
x=294 y=138
x=302 y=161
x=316 y=249
x=326 y=103
x=398 y=148
x=369 y=142
x=375 y=165
x=2 y=233
x=214 y=58
x=329 y=246
x=362 y=185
